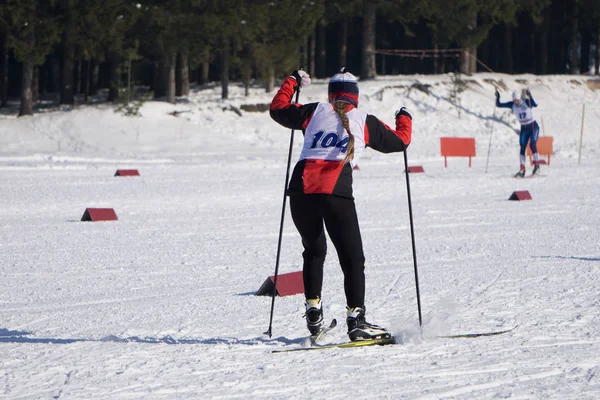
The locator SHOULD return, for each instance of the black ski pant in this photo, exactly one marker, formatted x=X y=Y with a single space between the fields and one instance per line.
x=310 y=212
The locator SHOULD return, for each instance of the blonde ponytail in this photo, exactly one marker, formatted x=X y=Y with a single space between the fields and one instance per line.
x=340 y=110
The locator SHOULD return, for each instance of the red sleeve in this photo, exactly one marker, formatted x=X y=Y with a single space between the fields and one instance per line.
x=381 y=137
x=286 y=113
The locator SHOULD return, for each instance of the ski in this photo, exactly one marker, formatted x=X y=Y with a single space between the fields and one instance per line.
x=358 y=343
x=315 y=338
x=536 y=175
x=530 y=176
x=384 y=341
x=479 y=334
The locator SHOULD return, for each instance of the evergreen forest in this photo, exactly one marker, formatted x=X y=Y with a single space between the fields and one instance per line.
x=70 y=51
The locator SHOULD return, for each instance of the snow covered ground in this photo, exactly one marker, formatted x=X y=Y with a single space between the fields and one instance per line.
x=160 y=304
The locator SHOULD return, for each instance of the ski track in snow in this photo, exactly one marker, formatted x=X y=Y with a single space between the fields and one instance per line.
x=160 y=304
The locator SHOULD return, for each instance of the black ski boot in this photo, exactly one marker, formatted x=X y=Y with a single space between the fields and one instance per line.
x=521 y=173
x=314 y=316
x=359 y=329
x=536 y=169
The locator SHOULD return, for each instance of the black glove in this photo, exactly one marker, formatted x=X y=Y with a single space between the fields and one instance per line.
x=403 y=111
x=527 y=92
x=497 y=94
x=301 y=77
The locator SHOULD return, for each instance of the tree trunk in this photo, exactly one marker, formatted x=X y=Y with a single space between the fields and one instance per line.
x=586 y=44
x=66 y=82
x=436 y=64
x=575 y=69
x=468 y=59
x=367 y=69
x=246 y=73
x=95 y=77
x=26 y=95
x=597 y=57
x=321 y=50
x=544 y=36
x=473 y=60
x=225 y=65
x=88 y=77
x=483 y=53
x=115 y=78
x=183 y=77
x=509 y=62
x=35 y=85
x=4 y=74
x=303 y=56
x=130 y=95
x=43 y=80
x=178 y=74
x=343 y=43
x=78 y=79
x=270 y=79
x=443 y=65
x=171 y=78
x=205 y=66
x=464 y=62
x=161 y=78
x=204 y=70
x=312 y=53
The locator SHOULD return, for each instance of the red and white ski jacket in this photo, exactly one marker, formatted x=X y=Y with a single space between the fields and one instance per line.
x=321 y=167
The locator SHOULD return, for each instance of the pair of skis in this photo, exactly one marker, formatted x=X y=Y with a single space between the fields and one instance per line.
x=377 y=342
x=536 y=175
x=314 y=339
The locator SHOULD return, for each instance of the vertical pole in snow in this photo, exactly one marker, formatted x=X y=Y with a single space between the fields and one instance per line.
x=412 y=236
x=581 y=136
x=490 y=144
x=287 y=178
x=543 y=129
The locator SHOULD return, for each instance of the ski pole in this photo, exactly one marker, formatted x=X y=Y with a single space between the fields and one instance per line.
x=412 y=236
x=490 y=144
x=287 y=177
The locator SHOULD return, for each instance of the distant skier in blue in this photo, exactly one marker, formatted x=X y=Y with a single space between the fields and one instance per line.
x=530 y=130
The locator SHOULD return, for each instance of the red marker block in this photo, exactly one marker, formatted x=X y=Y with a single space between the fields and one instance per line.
x=127 y=172
x=99 y=214
x=287 y=285
x=520 y=195
x=415 y=169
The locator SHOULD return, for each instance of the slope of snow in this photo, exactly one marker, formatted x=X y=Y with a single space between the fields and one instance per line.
x=160 y=304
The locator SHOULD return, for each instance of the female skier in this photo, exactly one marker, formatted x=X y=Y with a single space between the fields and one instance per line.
x=320 y=190
x=530 y=129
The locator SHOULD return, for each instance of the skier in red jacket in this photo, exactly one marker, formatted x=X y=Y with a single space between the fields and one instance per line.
x=320 y=190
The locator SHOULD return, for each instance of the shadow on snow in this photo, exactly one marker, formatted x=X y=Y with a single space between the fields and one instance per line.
x=8 y=336
x=572 y=258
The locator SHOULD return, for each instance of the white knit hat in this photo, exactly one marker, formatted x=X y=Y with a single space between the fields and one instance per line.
x=343 y=86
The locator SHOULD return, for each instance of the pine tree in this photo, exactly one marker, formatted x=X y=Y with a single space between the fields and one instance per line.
x=87 y=29
x=282 y=29
x=172 y=29
x=368 y=69
x=3 y=62
x=236 y=24
x=32 y=29
x=535 y=11
x=467 y=23
x=339 y=13
x=590 y=25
